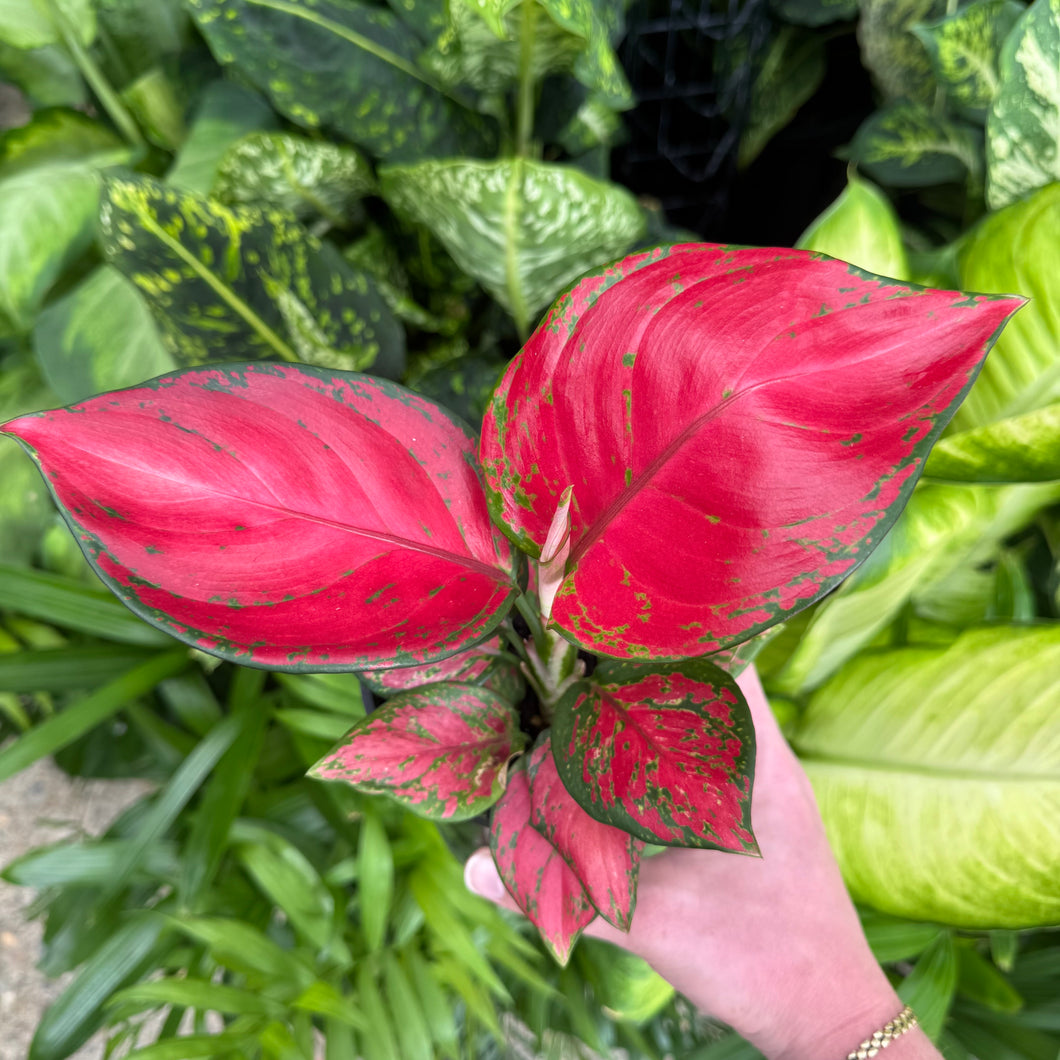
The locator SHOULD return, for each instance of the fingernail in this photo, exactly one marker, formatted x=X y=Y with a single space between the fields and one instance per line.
x=480 y=875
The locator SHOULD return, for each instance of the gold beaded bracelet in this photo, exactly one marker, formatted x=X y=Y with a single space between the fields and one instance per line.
x=904 y=1021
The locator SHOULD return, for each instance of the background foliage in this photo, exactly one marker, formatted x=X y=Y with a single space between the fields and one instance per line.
x=403 y=189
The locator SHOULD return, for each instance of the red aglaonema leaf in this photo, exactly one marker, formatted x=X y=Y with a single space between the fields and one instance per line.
x=663 y=751
x=442 y=751
x=482 y=665
x=281 y=515
x=543 y=885
x=605 y=859
x=740 y=428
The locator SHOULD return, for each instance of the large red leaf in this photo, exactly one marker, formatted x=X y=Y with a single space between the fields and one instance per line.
x=442 y=751
x=664 y=752
x=543 y=885
x=281 y=515
x=740 y=428
x=605 y=859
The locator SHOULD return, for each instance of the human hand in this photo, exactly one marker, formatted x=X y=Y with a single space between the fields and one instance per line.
x=771 y=946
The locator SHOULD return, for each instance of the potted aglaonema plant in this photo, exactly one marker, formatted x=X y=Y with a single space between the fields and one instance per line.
x=697 y=442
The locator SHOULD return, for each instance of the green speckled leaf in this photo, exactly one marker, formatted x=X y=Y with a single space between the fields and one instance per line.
x=226 y=113
x=38 y=23
x=99 y=337
x=228 y=283
x=907 y=145
x=964 y=50
x=523 y=229
x=860 y=227
x=791 y=72
x=815 y=12
x=47 y=215
x=898 y=62
x=308 y=178
x=1021 y=449
x=345 y=66
x=1023 y=128
x=938 y=804
x=463 y=384
x=1017 y=250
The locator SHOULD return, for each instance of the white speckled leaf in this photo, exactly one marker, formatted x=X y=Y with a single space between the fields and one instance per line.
x=1023 y=128
x=309 y=178
x=523 y=229
x=937 y=771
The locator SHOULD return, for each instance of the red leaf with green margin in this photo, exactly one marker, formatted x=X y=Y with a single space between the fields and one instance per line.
x=605 y=859
x=764 y=413
x=281 y=515
x=481 y=665
x=663 y=751
x=442 y=751
x=543 y=885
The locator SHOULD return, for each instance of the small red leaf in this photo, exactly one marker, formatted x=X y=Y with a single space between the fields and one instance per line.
x=282 y=515
x=543 y=885
x=442 y=751
x=740 y=428
x=481 y=665
x=604 y=858
x=664 y=752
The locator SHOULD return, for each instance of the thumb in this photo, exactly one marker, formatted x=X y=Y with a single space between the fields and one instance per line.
x=482 y=878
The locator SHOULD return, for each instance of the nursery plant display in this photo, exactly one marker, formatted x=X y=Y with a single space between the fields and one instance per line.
x=408 y=194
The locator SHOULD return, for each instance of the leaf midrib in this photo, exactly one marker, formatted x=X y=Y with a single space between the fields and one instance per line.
x=881 y=765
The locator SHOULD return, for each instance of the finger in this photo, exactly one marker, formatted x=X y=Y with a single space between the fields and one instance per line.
x=482 y=878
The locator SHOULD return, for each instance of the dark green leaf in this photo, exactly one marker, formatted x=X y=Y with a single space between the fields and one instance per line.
x=308 y=178
x=68 y=668
x=99 y=337
x=74 y=1017
x=88 y=712
x=229 y=284
x=67 y=863
x=226 y=113
x=140 y=33
x=894 y=939
x=980 y=981
x=53 y=136
x=930 y=987
x=815 y=12
x=344 y=66
x=907 y=145
x=898 y=61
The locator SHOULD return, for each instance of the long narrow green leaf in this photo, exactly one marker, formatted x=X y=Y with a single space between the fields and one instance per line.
x=410 y=1026
x=68 y=668
x=375 y=870
x=76 y=1015
x=192 y=700
x=244 y=948
x=893 y=939
x=378 y=1037
x=194 y=1046
x=86 y=713
x=94 y=863
x=199 y=994
x=220 y=805
x=432 y=1002
x=72 y=605
x=930 y=987
x=175 y=796
x=322 y=999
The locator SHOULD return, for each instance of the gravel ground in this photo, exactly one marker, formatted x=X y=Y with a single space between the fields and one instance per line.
x=39 y=806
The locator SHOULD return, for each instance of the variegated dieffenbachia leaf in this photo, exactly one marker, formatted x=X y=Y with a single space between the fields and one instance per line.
x=907 y=144
x=346 y=66
x=229 y=283
x=543 y=885
x=605 y=859
x=725 y=473
x=523 y=229
x=100 y=336
x=1020 y=449
x=308 y=178
x=937 y=771
x=1023 y=128
x=664 y=752
x=482 y=46
x=861 y=227
x=1017 y=250
x=441 y=751
x=283 y=516
x=898 y=61
x=965 y=48
x=481 y=665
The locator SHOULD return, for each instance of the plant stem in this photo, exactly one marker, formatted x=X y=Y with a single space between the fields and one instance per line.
x=91 y=72
x=524 y=128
